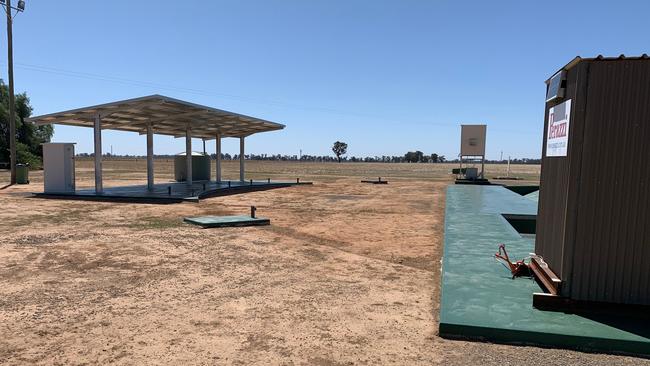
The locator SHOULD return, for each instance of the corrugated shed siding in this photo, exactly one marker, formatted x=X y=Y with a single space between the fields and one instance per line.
x=551 y=217
x=551 y=214
x=612 y=247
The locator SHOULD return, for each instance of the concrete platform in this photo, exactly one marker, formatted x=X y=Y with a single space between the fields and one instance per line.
x=172 y=192
x=227 y=221
x=479 y=300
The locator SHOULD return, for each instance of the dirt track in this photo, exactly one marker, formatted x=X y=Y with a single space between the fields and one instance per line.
x=346 y=274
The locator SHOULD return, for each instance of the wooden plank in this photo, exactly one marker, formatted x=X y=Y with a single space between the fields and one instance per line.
x=548 y=279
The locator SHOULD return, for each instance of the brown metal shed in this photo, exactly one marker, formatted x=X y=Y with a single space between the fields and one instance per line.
x=593 y=225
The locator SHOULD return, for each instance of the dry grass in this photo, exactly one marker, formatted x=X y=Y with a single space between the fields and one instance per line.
x=347 y=273
x=133 y=171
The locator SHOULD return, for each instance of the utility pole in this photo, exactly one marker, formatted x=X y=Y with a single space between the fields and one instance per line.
x=12 y=109
x=12 y=99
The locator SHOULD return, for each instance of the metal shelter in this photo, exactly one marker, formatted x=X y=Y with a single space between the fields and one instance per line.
x=157 y=114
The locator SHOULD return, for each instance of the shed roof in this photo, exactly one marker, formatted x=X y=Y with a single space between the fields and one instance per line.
x=579 y=59
x=168 y=116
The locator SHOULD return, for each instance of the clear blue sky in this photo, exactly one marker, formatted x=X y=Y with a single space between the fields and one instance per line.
x=383 y=76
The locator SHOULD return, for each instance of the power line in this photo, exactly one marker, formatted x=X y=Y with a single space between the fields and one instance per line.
x=208 y=93
x=160 y=86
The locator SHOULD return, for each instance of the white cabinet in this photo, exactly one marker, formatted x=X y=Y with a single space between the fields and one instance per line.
x=58 y=167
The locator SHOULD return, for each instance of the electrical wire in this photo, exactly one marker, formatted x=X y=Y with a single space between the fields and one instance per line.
x=207 y=93
x=159 y=86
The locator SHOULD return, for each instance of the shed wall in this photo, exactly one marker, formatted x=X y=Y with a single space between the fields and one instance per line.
x=553 y=190
x=593 y=222
x=612 y=226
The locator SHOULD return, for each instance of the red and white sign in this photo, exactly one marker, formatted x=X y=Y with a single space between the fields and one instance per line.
x=557 y=137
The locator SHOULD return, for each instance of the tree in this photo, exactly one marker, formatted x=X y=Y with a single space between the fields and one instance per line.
x=434 y=158
x=340 y=148
x=28 y=136
x=414 y=156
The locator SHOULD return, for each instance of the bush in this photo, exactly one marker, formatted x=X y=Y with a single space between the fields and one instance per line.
x=24 y=156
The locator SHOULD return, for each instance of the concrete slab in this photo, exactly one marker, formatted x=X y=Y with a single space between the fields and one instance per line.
x=479 y=300
x=171 y=192
x=227 y=221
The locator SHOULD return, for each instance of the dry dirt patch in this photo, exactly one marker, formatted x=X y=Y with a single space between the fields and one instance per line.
x=346 y=274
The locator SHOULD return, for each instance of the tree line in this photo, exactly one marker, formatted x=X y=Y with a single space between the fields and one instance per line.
x=406 y=158
x=329 y=159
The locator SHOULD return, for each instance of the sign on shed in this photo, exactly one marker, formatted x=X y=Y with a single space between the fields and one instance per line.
x=557 y=137
x=472 y=140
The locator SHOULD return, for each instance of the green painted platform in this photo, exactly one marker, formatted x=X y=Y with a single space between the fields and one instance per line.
x=533 y=196
x=172 y=192
x=227 y=221
x=479 y=300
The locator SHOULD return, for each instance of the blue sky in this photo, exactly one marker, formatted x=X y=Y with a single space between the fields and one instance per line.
x=384 y=76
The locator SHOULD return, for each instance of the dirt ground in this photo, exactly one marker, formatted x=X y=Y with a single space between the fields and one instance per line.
x=347 y=274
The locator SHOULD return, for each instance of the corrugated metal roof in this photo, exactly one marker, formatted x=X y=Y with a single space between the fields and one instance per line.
x=579 y=59
x=168 y=116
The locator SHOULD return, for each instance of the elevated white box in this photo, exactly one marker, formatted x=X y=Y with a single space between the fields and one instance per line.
x=472 y=140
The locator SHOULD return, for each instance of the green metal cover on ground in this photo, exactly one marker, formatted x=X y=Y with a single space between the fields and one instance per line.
x=479 y=300
x=227 y=221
